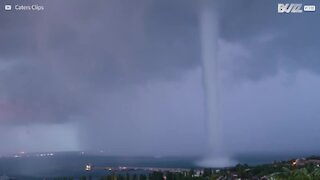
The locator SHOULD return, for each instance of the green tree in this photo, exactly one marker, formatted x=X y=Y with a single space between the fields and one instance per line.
x=316 y=173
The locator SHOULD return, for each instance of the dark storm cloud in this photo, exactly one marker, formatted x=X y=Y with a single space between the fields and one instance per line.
x=59 y=59
x=128 y=71
x=275 y=41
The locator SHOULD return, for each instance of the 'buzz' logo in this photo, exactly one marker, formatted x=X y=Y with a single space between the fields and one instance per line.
x=290 y=8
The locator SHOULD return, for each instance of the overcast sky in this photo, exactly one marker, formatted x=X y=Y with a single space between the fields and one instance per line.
x=125 y=77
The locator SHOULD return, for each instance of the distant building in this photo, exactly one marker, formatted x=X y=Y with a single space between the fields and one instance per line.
x=303 y=162
x=87 y=168
x=197 y=173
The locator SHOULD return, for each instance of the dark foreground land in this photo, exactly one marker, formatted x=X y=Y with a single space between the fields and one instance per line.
x=79 y=166
x=295 y=169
